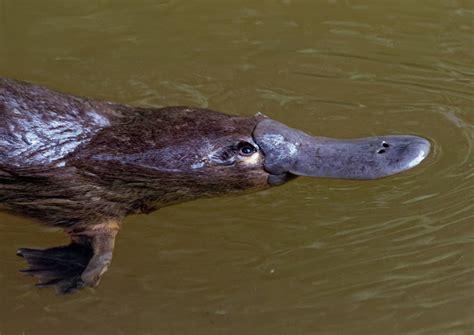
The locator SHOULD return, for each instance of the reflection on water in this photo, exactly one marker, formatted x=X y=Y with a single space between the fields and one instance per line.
x=314 y=256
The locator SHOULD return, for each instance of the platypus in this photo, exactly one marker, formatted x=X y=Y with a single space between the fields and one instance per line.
x=83 y=165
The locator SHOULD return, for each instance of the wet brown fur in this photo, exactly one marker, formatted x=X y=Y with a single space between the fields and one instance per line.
x=84 y=165
x=127 y=167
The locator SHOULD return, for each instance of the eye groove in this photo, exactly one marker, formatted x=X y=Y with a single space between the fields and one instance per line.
x=385 y=144
x=381 y=151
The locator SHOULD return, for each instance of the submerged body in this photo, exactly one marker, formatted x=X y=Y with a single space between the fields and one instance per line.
x=84 y=165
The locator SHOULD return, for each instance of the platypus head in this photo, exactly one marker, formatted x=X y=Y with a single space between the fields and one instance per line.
x=180 y=153
x=281 y=153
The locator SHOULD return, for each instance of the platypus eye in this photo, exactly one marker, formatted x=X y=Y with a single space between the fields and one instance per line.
x=246 y=149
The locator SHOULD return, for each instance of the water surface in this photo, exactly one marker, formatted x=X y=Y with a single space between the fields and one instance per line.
x=315 y=256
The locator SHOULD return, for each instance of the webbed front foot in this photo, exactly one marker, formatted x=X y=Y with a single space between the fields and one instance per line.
x=79 y=264
x=59 y=267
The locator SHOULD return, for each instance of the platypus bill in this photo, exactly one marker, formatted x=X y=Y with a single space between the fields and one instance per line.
x=84 y=165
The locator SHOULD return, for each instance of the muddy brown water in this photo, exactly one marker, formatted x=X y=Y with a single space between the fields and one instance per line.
x=315 y=256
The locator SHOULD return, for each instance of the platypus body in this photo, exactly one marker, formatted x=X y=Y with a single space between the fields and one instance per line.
x=84 y=165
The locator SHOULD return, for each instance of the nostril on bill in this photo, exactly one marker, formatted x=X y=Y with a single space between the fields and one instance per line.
x=382 y=150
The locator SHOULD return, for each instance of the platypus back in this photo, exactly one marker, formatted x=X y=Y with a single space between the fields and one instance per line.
x=40 y=127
